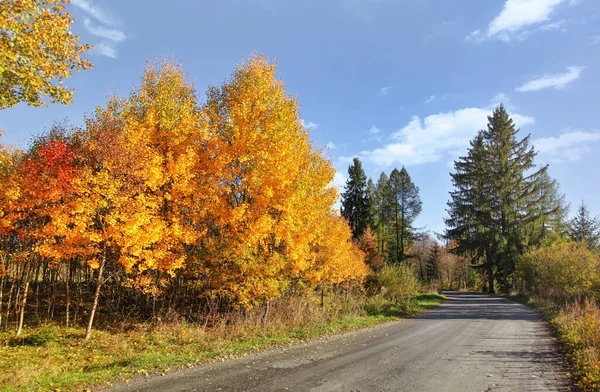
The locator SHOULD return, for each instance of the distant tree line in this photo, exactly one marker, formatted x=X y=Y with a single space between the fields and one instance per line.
x=388 y=208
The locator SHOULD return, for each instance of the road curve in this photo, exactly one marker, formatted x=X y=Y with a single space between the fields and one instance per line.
x=472 y=342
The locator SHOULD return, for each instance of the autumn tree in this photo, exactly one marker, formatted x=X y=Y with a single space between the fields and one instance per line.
x=273 y=191
x=38 y=52
x=368 y=244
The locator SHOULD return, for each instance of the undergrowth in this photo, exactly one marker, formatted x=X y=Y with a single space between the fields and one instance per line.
x=55 y=358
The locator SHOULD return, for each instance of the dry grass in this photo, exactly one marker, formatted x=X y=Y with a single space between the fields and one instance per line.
x=579 y=327
x=53 y=358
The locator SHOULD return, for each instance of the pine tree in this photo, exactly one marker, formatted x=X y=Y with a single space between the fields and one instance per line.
x=497 y=198
x=585 y=227
x=355 y=199
x=405 y=205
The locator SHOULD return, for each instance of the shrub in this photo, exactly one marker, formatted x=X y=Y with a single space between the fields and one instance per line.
x=394 y=282
x=564 y=271
x=579 y=326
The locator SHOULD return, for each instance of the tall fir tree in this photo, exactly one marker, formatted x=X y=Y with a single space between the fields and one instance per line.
x=585 y=227
x=405 y=205
x=355 y=199
x=497 y=197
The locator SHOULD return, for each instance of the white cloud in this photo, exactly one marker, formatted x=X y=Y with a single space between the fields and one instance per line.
x=309 y=125
x=93 y=11
x=501 y=98
x=475 y=35
x=518 y=15
x=595 y=40
x=331 y=146
x=374 y=130
x=106 y=50
x=556 y=81
x=339 y=180
x=430 y=139
x=569 y=146
x=99 y=31
x=386 y=90
x=430 y=99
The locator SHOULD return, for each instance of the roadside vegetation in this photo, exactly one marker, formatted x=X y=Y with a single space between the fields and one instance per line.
x=50 y=357
x=180 y=230
x=562 y=279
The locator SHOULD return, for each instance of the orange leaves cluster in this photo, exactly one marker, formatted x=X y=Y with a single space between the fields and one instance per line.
x=231 y=194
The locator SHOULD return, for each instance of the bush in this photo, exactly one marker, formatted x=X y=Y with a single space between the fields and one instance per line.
x=394 y=282
x=579 y=326
x=563 y=271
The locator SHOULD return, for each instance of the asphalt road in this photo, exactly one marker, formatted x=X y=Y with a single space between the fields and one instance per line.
x=471 y=343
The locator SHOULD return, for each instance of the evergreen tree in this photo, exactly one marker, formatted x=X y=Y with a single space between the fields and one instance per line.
x=355 y=199
x=383 y=214
x=498 y=196
x=585 y=227
x=553 y=210
x=433 y=263
x=405 y=205
x=371 y=202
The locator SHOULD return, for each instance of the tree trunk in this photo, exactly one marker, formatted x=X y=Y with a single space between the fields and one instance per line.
x=22 y=310
x=68 y=294
x=490 y=271
x=1 y=297
x=88 y=331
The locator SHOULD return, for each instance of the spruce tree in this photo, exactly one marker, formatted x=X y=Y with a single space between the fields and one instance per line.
x=355 y=199
x=585 y=227
x=497 y=197
x=405 y=205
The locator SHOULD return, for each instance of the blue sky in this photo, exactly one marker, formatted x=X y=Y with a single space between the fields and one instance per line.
x=393 y=82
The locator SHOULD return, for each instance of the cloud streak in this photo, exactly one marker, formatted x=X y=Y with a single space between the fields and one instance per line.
x=567 y=147
x=386 y=90
x=99 y=31
x=93 y=11
x=556 y=81
x=309 y=125
x=518 y=15
x=106 y=50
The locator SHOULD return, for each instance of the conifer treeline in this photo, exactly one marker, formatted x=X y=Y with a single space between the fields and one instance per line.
x=160 y=203
x=389 y=208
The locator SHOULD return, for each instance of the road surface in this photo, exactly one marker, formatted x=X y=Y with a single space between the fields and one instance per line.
x=472 y=342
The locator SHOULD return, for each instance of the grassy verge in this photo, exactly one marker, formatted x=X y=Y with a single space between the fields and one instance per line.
x=53 y=358
x=578 y=326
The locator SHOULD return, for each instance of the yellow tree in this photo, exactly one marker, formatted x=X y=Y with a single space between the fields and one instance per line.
x=273 y=188
x=139 y=198
x=38 y=52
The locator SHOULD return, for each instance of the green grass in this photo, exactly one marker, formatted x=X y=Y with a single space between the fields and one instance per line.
x=50 y=358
